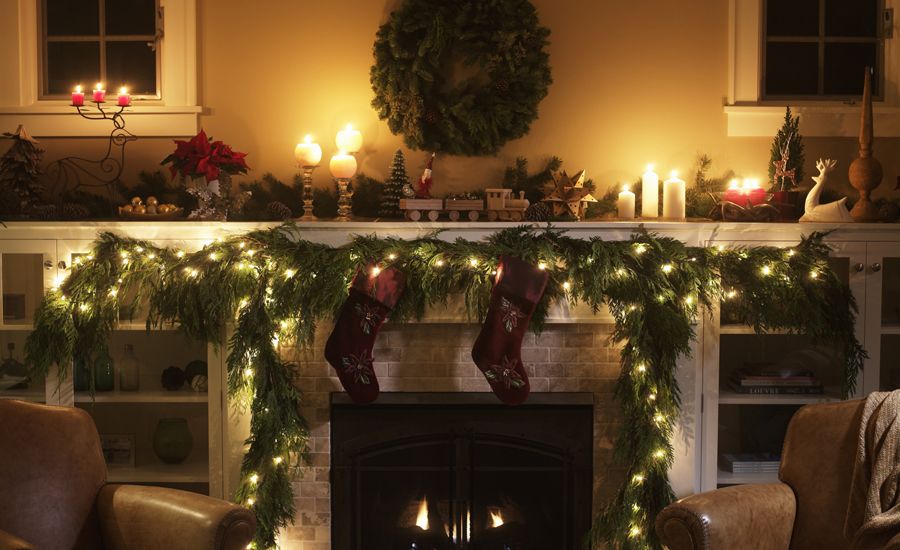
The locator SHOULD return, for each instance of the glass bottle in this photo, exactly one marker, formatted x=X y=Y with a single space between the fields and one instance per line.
x=129 y=371
x=104 y=373
x=14 y=368
x=81 y=374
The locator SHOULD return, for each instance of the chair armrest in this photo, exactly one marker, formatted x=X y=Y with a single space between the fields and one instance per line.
x=133 y=516
x=9 y=542
x=746 y=517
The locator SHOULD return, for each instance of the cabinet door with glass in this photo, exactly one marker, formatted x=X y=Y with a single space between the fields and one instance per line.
x=882 y=316
x=27 y=269
x=753 y=384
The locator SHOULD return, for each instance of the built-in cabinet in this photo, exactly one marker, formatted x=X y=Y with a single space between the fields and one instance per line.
x=716 y=420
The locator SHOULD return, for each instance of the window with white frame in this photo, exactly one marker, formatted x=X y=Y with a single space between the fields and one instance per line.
x=115 y=42
x=819 y=49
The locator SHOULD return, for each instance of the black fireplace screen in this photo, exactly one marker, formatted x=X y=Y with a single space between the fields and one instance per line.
x=448 y=474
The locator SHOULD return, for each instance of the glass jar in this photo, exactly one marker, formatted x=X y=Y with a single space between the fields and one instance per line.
x=129 y=371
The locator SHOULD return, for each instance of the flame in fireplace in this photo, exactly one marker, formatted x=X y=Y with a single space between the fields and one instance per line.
x=496 y=518
x=422 y=517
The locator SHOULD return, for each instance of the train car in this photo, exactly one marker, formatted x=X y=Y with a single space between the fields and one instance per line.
x=501 y=205
x=455 y=207
x=414 y=208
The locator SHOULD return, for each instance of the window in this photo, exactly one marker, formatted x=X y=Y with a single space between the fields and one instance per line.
x=110 y=41
x=819 y=49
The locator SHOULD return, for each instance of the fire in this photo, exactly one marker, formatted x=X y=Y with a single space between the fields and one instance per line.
x=496 y=518
x=422 y=517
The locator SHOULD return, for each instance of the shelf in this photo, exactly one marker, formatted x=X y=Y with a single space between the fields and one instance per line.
x=24 y=327
x=744 y=329
x=23 y=395
x=734 y=398
x=141 y=326
x=189 y=472
x=890 y=329
x=162 y=396
x=728 y=478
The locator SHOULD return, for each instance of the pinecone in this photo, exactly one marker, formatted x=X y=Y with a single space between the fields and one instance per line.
x=278 y=211
x=432 y=116
x=10 y=202
x=502 y=87
x=538 y=212
x=46 y=212
x=74 y=211
x=889 y=212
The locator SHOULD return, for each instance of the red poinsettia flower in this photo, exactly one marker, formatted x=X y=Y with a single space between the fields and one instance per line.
x=201 y=157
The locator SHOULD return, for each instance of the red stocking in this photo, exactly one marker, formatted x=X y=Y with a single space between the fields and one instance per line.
x=372 y=296
x=498 y=349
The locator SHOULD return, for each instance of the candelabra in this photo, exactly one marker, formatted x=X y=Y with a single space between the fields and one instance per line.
x=345 y=194
x=307 y=194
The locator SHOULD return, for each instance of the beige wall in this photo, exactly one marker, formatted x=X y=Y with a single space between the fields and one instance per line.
x=635 y=82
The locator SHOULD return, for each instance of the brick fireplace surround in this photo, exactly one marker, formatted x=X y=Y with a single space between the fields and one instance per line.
x=426 y=357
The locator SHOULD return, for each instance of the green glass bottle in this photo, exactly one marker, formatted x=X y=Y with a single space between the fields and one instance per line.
x=81 y=374
x=104 y=373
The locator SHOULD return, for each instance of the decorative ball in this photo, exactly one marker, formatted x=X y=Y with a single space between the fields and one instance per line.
x=136 y=201
x=152 y=201
x=152 y=209
x=502 y=87
x=278 y=211
x=140 y=209
x=172 y=378
x=408 y=191
x=128 y=209
x=432 y=116
x=163 y=208
x=538 y=212
x=200 y=383
x=195 y=368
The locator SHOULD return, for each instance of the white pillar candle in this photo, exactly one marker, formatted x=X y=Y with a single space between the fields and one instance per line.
x=625 y=204
x=349 y=140
x=674 y=198
x=343 y=166
x=308 y=153
x=650 y=193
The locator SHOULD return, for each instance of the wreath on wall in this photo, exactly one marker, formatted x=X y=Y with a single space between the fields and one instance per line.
x=461 y=77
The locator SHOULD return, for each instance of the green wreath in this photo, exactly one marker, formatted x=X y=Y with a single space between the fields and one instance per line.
x=425 y=41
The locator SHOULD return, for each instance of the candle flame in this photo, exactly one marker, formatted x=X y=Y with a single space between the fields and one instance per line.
x=349 y=127
x=123 y=90
x=650 y=167
x=626 y=188
x=78 y=89
x=496 y=519
x=674 y=173
x=307 y=139
x=422 y=517
x=734 y=184
x=99 y=86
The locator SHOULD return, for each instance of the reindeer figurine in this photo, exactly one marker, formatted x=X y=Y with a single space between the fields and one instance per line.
x=831 y=212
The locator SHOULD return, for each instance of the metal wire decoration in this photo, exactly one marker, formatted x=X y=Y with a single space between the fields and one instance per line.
x=78 y=174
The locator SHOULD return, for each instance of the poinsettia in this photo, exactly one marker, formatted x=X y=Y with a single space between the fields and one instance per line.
x=200 y=156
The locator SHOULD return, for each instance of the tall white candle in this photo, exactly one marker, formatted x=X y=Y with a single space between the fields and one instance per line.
x=308 y=153
x=343 y=166
x=349 y=140
x=650 y=193
x=625 y=204
x=674 y=198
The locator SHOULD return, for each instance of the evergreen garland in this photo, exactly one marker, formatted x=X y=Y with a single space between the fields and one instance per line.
x=393 y=188
x=278 y=287
x=790 y=130
x=424 y=39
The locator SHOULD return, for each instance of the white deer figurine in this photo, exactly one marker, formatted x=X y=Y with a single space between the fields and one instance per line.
x=833 y=211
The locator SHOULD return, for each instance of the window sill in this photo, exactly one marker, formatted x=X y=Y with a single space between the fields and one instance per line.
x=815 y=120
x=57 y=119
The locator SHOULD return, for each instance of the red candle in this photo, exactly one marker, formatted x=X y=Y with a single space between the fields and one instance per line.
x=99 y=93
x=755 y=194
x=733 y=194
x=78 y=97
x=124 y=97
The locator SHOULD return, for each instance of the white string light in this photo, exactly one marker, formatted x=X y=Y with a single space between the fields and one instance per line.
x=766 y=270
x=289 y=273
x=277 y=460
x=667 y=268
x=375 y=271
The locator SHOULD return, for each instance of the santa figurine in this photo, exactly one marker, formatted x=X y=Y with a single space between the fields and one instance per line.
x=423 y=190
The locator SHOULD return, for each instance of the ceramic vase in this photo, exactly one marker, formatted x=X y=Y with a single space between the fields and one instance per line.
x=172 y=440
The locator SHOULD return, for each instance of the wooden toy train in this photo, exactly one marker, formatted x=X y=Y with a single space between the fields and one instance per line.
x=498 y=204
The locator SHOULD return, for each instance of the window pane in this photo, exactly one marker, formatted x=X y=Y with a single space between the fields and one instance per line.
x=792 y=69
x=130 y=17
x=792 y=17
x=131 y=64
x=71 y=63
x=65 y=17
x=845 y=68
x=851 y=17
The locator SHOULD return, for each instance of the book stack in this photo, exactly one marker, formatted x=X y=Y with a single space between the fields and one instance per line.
x=750 y=463
x=778 y=382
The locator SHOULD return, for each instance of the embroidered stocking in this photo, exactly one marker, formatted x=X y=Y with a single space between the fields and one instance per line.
x=373 y=295
x=498 y=349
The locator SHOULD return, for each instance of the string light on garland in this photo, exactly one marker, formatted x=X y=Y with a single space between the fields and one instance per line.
x=256 y=296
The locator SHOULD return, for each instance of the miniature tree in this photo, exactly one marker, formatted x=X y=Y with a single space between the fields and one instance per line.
x=19 y=174
x=393 y=187
x=787 y=149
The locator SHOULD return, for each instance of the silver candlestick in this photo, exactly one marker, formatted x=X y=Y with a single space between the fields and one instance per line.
x=344 y=196
x=307 y=194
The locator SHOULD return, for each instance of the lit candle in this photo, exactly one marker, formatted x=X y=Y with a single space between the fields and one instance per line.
x=650 y=193
x=78 y=96
x=754 y=193
x=733 y=194
x=625 y=204
x=674 y=198
x=349 y=140
x=99 y=93
x=308 y=153
x=343 y=165
x=124 y=99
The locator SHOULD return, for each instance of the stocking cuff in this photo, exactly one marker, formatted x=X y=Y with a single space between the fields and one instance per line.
x=386 y=287
x=521 y=279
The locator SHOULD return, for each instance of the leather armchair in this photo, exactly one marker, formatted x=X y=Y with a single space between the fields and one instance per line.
x=805 y=511
x=53 y=494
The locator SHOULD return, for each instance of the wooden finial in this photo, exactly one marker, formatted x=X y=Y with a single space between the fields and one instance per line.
x=865 y=124
x=866 y=172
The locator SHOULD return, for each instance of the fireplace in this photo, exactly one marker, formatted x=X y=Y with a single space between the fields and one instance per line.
x=459 y=471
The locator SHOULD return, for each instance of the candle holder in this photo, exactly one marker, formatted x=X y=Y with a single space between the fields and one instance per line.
x=307 y=194
x=344 y=196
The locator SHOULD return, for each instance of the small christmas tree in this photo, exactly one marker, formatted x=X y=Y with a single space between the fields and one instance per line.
x=393 y=187
x=20 y=190
x=787 y=146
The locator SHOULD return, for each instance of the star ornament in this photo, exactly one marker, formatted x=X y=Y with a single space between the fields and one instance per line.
x=567 y=195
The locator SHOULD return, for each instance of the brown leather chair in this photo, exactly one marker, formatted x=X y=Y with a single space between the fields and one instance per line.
x=54 y=495
x=805 y=511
